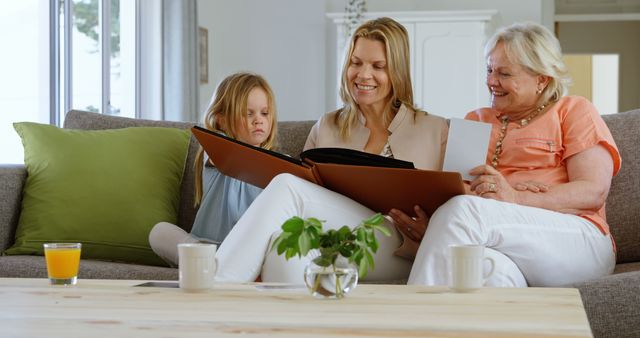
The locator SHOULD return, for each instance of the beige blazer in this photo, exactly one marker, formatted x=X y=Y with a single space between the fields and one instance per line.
x=421 y=140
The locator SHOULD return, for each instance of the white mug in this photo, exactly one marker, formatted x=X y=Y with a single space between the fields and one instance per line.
x=467 y=267
x=197 y=265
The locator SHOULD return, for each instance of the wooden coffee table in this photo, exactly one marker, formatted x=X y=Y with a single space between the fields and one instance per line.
x=97 y=308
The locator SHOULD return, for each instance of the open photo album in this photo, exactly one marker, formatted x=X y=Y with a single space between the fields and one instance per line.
x=377 y=182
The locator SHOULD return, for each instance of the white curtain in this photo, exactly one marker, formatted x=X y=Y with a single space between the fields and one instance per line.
x=180 y=60
x=168 y=47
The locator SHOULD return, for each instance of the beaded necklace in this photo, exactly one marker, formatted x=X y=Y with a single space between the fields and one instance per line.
x=503 y=132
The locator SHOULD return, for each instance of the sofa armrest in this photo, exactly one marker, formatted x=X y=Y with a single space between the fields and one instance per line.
x=12 y=178
x=611 y=304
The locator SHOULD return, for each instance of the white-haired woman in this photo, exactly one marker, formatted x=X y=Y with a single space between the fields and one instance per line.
x=539 y=204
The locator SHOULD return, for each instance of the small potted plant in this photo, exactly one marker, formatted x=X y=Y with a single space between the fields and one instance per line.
x=344 y=254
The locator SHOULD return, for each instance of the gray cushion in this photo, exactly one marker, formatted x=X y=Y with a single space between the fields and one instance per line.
x=35 y=267
x=292 y=135
x=627 y=267
x=623 y=204
x=611 y=304
x=11 y=181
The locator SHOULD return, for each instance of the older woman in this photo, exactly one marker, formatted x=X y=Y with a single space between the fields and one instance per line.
x=539 y=204
x=378 y=117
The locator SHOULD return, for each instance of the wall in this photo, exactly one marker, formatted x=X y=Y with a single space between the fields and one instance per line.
x=292 y=43
x=604 y=37
x=510 y=10
x=283 y=40
x=205 y=11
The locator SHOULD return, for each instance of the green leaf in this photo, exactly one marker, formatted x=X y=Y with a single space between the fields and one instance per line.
x=290 y=253
x=369 y=235
x=374 y=220
x=345 y=251
x=294 y=224
x=383 y=229
x=304 y=243
x=356 y=257
x=282 y=247
x=323 y=261
x=374 y=245
x=369 y=258
x=279 y=240
x=361 y=235
x=363 y=267
x=315 y=222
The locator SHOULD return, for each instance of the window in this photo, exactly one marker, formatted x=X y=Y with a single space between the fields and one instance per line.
x=52 y=69
x=103 y=58
x=24 y=65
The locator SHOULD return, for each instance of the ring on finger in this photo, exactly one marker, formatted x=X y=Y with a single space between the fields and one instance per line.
x=492 y=187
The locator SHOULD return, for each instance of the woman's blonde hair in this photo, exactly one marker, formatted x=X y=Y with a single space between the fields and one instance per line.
x=396 y=41
x=534 y=47
x=230 y=101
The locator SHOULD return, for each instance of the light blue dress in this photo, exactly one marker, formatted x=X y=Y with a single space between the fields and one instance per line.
x=224 y=200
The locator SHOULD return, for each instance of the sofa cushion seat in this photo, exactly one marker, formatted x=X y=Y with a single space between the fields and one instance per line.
x=626 y=267
x=23 y=266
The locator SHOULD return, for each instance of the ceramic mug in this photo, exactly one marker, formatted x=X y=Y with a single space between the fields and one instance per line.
x=197 y=266
x=467 y=267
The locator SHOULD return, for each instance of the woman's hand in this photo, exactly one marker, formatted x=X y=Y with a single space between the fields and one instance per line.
x=532 y=186
x=490 y=183
x=412 y=228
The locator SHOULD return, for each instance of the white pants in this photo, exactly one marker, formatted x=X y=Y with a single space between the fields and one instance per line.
x=531 y=246
x=245 y=253
x=164 y=239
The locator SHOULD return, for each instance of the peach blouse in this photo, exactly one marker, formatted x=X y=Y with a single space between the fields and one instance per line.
x=538 y=151
x=417 y=137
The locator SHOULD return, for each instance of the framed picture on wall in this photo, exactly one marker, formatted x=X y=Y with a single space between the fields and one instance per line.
x=203 y=48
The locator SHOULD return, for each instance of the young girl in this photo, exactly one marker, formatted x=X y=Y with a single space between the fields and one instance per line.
x=243 y=108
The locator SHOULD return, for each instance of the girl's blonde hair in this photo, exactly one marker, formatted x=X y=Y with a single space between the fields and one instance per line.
x=396 y=41
x=230 y=101
x=534 y=47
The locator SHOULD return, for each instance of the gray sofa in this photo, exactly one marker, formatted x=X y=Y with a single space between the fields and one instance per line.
x=612 y=303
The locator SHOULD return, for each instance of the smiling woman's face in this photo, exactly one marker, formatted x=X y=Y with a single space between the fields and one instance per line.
x=368 y=75
x=513 y=88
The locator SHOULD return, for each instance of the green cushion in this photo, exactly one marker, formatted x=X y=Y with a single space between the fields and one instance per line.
x=103 y=188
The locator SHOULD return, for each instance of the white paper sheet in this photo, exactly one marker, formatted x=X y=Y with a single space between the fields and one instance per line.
x=466 y=146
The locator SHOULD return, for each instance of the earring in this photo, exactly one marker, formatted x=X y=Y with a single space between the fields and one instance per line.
x=539 y=91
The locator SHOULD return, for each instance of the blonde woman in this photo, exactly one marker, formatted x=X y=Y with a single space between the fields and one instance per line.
x=243 y=108
x=378 y=117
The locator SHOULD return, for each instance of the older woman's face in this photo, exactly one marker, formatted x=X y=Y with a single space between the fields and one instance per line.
x=513 y=88
x=367 y=74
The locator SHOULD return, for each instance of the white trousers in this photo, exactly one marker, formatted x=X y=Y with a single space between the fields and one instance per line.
x=245 y=253
x=164 y=239
x=531 y=246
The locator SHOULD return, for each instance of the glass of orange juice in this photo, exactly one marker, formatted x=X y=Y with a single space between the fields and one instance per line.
x=63 y=262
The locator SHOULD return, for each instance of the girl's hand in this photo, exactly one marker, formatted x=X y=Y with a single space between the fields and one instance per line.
x=413 y=228
x=490 y=183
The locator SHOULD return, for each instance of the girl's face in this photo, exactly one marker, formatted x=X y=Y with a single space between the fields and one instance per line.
x=367 y=74
x=255 y=126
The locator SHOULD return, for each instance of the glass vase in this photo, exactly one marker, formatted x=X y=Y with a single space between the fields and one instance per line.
x=331 y=282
